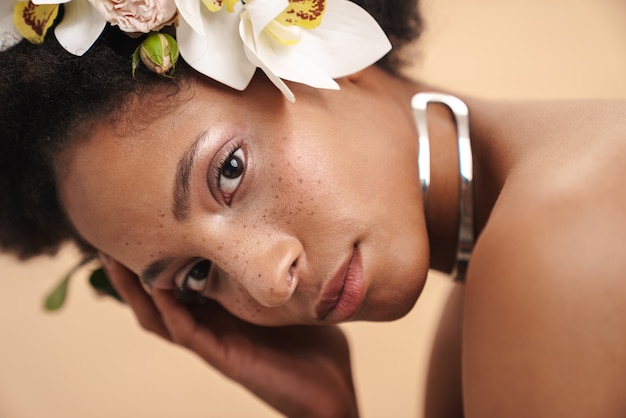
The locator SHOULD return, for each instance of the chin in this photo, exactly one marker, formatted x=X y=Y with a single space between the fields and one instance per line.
x=389 y=313
x=386 y=304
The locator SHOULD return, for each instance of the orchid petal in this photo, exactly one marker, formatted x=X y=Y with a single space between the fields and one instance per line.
x=33 y=21
x=262 y=12
x=9 y=35
x=219 y=54
x=50 y=1
x=81 y=26
x=282 y=86
x=348 y=40
x=288 y=63
x=247 y=35
x=280 y=61
x=190 y=12
x=286 y=35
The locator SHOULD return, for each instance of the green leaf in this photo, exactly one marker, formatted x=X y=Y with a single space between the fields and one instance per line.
x=54 y=301
x=99 y=281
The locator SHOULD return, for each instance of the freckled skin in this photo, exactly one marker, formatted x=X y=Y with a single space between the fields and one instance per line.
x=319 y=180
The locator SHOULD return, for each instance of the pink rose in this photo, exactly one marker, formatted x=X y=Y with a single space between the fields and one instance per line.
x=137 y=15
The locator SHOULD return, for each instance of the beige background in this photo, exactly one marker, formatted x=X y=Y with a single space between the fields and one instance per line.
x=91 y=359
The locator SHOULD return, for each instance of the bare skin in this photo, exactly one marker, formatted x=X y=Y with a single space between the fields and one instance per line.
x=544 y=318
x=545 y=323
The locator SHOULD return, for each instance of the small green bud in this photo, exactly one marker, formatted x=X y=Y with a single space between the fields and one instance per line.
x=158 y=52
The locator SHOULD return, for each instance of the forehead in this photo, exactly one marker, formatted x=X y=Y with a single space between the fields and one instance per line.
x=111 y=182
x=115 y=177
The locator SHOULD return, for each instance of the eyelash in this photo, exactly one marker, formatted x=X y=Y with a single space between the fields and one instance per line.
x=186 y=295
x=232 y=149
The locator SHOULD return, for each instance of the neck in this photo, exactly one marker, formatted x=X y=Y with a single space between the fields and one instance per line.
x=442 y=207
x=442 y=219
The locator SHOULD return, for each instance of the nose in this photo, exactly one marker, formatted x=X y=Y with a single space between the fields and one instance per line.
x=265 y=266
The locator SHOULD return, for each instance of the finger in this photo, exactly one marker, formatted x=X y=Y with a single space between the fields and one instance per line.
x=185 y=331
x=127 y=285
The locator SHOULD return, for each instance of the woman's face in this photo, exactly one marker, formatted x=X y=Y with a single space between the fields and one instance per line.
x=307 y=213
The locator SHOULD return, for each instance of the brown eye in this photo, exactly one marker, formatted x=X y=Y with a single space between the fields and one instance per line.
x=233 y=167
x=196 y=278
x=231 y=172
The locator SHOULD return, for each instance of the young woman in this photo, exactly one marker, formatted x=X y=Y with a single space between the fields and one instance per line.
x=291 y=215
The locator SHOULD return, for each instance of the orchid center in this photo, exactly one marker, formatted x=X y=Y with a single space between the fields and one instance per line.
x=216 y=5
x=33 y=21
x=287 y=27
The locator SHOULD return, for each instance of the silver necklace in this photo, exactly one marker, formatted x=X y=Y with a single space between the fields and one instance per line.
x=465 y=239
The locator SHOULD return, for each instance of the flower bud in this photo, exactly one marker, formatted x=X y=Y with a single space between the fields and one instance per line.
x=158 y=52
x=134 y=16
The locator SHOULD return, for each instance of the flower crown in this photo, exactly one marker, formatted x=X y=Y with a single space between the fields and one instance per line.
x=305 y=41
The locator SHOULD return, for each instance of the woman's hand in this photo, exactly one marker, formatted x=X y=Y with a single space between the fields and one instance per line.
x=300 y=370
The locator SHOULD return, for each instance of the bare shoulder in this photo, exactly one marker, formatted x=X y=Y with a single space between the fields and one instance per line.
x=545 y=309
x=563 y=130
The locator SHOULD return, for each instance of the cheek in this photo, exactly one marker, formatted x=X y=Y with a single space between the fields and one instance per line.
x=315 y=183
x=292 y=186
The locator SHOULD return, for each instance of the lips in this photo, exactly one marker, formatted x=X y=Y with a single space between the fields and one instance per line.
x=343 y=294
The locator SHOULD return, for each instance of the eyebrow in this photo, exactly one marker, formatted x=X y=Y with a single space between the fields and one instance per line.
x=180 y=206
x=154 y=270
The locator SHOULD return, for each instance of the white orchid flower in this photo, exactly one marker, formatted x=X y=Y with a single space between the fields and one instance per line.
x=330 y=39
x=208 y=40
x=25 y=19
x=305 y=41
x=80 y=28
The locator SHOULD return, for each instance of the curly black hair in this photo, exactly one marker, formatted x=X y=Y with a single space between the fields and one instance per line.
x=48 y=97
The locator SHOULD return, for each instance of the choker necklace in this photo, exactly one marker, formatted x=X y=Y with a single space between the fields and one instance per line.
x=465 y=239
